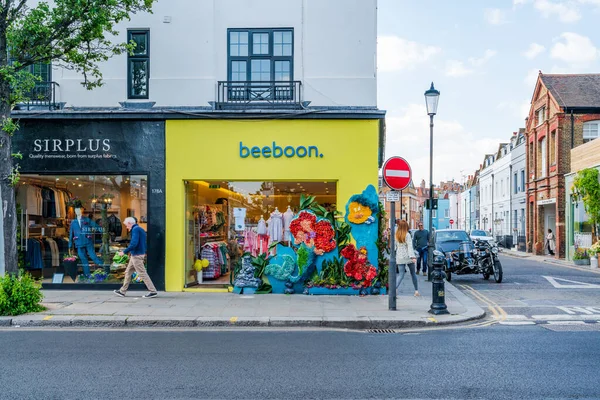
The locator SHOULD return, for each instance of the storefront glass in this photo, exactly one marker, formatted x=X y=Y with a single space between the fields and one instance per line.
x=582 y=228
x=71 y=226
x=224 y=219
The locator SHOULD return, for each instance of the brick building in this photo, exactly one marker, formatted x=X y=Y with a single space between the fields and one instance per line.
x=562 y=107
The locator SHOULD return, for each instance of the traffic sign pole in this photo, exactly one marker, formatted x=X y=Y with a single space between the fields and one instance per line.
x=392 y=266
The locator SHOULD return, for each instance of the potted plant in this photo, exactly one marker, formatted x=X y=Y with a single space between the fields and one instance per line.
x=581 y=257
x=70 y=264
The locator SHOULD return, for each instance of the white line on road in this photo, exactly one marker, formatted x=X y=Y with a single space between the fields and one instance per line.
x=566 y=323
x=574 y=284
x=517 y=322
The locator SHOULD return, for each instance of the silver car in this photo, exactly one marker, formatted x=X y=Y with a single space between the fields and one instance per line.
x=477 y=234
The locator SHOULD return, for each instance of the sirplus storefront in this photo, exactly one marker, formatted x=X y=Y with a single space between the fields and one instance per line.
x=80 y=178
x=275 y=191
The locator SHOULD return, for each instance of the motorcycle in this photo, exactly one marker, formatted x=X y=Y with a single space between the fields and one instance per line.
x=477 y=257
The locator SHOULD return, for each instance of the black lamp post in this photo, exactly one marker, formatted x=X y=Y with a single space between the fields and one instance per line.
x=431 y=100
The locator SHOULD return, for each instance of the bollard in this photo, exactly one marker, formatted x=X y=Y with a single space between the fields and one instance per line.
x=438 y=305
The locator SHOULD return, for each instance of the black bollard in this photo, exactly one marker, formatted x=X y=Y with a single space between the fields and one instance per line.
x=438 y=305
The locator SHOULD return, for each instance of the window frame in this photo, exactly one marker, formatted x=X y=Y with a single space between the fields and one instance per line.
x=133 y=58
x=589 y=124
x=250 y=56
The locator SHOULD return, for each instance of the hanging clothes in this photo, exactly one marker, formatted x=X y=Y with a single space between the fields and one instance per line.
x=276 y=226
x=287 y=220
x=261 y=229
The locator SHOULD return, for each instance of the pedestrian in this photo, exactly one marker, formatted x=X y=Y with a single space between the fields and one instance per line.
x=137 y=253
x=420 y=244
x=550 y=242
x=405 y=256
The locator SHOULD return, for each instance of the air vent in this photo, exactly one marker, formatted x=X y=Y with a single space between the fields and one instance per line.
x=381 y=331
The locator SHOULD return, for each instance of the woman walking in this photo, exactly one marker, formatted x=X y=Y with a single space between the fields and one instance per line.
x=550 y=242
x=405 y=256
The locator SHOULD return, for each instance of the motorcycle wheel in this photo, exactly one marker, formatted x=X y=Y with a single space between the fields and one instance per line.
x=486 y=276
x=448 y=276
x=498 y=272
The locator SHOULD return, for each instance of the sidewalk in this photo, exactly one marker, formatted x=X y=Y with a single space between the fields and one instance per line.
x=547 y=259
x=182 y=309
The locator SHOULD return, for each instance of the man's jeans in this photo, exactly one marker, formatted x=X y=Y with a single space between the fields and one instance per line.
x=422 y=259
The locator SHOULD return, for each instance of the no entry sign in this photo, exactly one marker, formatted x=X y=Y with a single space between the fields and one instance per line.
x=451 y=222
x=397 y=173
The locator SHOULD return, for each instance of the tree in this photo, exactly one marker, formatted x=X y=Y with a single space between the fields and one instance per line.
x=586 y=186
x=73 y=34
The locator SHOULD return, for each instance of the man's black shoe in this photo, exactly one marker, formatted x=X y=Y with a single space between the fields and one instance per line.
x=150 y=295
x=119 y=293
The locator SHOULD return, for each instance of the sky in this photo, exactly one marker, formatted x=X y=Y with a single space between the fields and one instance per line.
x=484 y=57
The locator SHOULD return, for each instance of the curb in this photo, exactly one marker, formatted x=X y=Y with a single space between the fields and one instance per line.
x=358 y=323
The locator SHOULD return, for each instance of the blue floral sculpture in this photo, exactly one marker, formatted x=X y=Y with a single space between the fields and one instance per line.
x=361 y=215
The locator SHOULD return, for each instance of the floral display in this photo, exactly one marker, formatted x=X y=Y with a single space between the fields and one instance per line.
x=75 y=202
x=358 y=266
x=70 y=258
x=317 y=235
x=595 y=249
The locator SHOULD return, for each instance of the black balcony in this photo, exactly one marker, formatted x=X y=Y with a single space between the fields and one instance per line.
x=42 y=96
x=252 y=94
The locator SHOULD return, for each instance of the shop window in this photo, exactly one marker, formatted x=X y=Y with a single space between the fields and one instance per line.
x=138 y=64
x=226 y=219
x=71 y=227
x=590 y=131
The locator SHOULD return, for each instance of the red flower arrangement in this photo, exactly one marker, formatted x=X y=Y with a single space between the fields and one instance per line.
x=318 y=235
x=357 y=266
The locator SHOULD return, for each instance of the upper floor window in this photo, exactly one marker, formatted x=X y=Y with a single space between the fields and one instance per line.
x=260 y=55
x=138 y=64
x=590 y=131
x=542 y=161
x=541 y=115
x=522 y=180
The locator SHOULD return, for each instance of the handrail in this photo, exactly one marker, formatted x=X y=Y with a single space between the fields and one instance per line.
x=268 y=94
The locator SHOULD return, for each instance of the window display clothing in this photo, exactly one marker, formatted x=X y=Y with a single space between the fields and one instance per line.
x=80 y=237
x=261 y=229
x=254 y=243
x=287 y=220
x=216 y=254
x=276 y=226
x=43 y=201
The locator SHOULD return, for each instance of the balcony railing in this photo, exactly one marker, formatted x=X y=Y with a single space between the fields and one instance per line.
x=249 y=94
x=43 y=95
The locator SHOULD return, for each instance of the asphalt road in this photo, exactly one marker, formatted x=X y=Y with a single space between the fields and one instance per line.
x=537 y=292
x=497 y=362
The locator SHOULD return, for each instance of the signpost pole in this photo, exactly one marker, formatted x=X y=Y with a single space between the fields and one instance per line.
x=392 y=267
x=401 y=205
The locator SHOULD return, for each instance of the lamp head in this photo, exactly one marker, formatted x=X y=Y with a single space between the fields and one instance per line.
x=431 y=100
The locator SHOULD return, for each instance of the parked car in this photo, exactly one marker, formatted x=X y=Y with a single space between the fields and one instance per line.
x=477 y=234
x=448 y=240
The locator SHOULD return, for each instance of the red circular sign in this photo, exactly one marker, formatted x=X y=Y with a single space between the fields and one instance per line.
x=451 y=221
x=397 y=173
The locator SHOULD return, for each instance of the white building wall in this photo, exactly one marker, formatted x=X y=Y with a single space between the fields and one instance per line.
x=502 y=194
x=334 y=51
x=519 y=199
x=464 y=217
x=485 y=198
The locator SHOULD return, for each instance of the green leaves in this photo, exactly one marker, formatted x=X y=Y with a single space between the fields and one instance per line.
x=307 y=202
x=19 y=294
x=586 y=187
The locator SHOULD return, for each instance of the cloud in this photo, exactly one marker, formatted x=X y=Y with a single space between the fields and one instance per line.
x=478 y=62
x=575 y=49
x=457 y=68
x=532 y=76
x=408 y=137
x=565 y=11
x=495 y=16
x=518 y=109
x=533 y=51
x=396 y=54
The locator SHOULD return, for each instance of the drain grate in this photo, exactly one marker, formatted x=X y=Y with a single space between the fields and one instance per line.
x=381 y=331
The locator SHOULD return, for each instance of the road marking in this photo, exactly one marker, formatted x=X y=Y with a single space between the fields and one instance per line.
x=517 y=322
x=497 y=311
x=580 y=310
x=566 y=323
x=49 y=317
x=432 y=319
x=564 y=317
x=574 y=284
x=233 y=320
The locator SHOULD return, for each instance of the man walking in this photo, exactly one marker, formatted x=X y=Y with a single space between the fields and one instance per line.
x=137 y=252
x=420 y=243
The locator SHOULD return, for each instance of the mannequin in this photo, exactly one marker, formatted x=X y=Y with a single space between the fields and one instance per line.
x=276 y=226
x=80 y=237
x=263 y=237
x=287 y=220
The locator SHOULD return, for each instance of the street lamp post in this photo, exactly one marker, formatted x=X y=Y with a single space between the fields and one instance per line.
x=431 y=100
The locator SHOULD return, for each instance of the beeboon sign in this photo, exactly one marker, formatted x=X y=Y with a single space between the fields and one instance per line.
x=277 y=151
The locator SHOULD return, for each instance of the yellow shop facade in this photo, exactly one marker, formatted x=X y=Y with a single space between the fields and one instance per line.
x=234 y=185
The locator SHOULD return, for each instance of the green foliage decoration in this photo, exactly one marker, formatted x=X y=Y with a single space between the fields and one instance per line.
x=20 y=294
